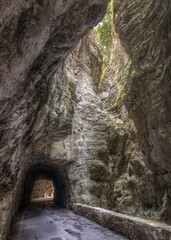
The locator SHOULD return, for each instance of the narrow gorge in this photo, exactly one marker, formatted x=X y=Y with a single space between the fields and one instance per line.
x=85 y=103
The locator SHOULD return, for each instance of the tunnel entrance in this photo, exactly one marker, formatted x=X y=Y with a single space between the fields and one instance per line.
x=44 y=181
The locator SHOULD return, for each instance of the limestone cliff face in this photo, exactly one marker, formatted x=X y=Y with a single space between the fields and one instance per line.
x=135 y=189
x=65 y=123
x=106 y=166
x=109 y=168
x=86 y=147
x=36 y=37
x=148 y=92
x=144 y=30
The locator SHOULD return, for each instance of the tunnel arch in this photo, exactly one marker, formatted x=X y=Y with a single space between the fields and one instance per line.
x=61 y=197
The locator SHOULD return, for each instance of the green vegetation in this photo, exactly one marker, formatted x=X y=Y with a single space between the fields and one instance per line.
x=104 y=29
x=113 y=120
x=119 y=93
x=116 y=101
x=111 y=10
x=105 y=34
x=123 y=95
x=103 y=74
x=127 y=70
x=132 y=74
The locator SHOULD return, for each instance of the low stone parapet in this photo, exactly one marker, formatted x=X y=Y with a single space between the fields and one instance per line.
x=131 y=227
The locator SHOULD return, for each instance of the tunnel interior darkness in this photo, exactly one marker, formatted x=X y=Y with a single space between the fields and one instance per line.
x=50 y=173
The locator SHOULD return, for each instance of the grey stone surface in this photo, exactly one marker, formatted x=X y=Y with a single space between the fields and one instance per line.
x=67 y=123
x=130 y=227
x=144 y=30
x=134 y=188
x=36 y=37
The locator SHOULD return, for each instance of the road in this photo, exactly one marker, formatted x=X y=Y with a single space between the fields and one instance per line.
x=44 y=221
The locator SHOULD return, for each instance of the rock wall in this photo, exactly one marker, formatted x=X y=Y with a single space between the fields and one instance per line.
x=36 y=37
x=132 y=183
x=70 y=124
x=108 y=168
x=34 y=43
x=144 y=30
x=86 y=147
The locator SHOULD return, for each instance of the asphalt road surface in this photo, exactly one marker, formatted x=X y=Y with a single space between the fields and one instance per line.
x=44 y=221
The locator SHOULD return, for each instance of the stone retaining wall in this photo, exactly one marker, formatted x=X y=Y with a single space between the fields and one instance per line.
x=131 y=227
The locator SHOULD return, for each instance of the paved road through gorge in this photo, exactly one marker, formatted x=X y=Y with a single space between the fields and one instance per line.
x=47 y=222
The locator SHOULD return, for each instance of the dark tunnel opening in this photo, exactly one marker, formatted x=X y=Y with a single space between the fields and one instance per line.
x=49 y=173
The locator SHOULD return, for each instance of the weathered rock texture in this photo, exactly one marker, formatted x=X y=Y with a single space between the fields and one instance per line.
x=67 y=128
x=130 y=227
x=112 y=171
x=78 y=106
x=42 y=188
x=36 y=37
x=132 y=187
x=107 y=168
x=144 y=30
